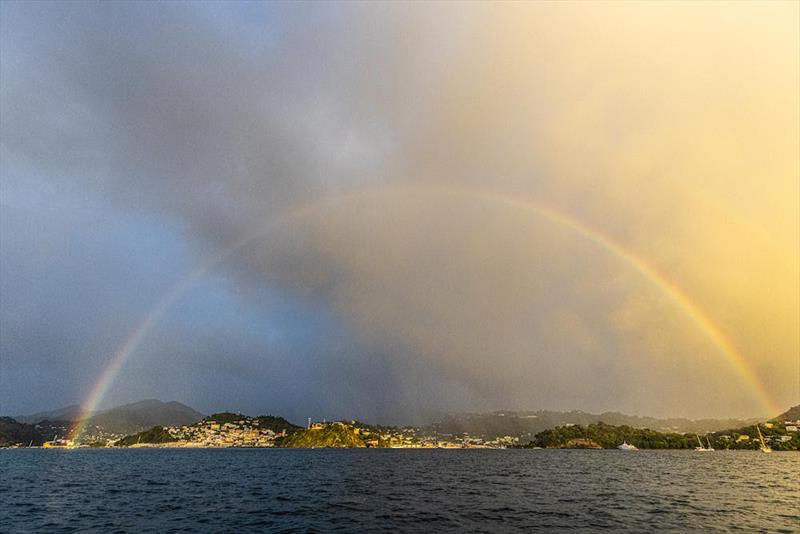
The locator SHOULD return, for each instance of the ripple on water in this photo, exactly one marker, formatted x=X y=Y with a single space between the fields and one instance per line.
x=322 y=490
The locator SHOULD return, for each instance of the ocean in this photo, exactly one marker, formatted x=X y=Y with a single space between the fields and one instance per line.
x=240 y=490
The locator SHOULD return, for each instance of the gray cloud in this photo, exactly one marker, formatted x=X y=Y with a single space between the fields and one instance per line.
x=222 y=117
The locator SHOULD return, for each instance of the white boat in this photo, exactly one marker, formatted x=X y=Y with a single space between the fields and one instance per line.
x=627 y=447
x=762 y=446
x=701 y=447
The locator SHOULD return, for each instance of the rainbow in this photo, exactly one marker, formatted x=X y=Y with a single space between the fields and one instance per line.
x=682 y=301
x=133 y=340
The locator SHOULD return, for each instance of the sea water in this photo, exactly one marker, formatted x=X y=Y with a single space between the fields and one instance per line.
x=409 y=490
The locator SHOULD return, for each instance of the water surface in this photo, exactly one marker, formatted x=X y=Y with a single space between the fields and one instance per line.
x=411 y=490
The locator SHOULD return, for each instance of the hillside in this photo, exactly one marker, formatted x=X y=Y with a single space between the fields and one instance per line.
x=139 y=416
x=224 y=429
x=114 y=422
x=792 y=414
x=334 y=435
x=609 y=436
x=277 y=424
x=13 y=432
x=136 y=418
x=525 y=425
x=268 y=422
x=157 y=434
x=67 y=413
x=776 y=435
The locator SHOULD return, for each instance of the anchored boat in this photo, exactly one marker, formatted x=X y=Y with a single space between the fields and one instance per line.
x=762 y=446
x=701 y=447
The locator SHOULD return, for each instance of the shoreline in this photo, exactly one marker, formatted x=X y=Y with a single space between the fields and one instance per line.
x=202 y=447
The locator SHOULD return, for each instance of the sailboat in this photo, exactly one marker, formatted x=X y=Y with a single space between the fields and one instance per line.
x=763 y=445
x=701 y=447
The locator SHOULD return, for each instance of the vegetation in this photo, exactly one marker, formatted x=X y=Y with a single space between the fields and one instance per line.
x=277 y=424
x=225 y=417
x=234 y=429
x=609 y=436
x=336 y=435
x=525 y=425
x=140 y=416
x=792 y=414
x=157 y=434
x=773 y=432
x=13 y=432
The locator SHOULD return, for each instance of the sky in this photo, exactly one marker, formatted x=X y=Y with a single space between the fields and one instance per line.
x=388 y=211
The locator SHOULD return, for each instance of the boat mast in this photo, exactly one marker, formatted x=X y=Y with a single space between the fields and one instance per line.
x=764 y=447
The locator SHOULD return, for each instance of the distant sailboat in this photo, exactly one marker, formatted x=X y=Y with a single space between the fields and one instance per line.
x=701 y=447
x=763 y=445
x=627 y=447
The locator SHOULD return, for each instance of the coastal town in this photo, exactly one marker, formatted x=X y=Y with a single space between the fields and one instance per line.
x=233 y=430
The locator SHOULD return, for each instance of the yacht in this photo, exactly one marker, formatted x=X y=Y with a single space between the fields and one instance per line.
x=762 y=445
x=701 y=447
x=627 y=447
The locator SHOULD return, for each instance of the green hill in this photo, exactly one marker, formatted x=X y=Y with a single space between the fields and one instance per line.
x=13 y=432
x=277 y=424
x=142 y=415
x=775 y=435
x=333 y=435
x=524 y=425
x=121 y=420
x=225 y=417
x=156 y=434
x=67 y=413
x=792 y=414
x=609 y=436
